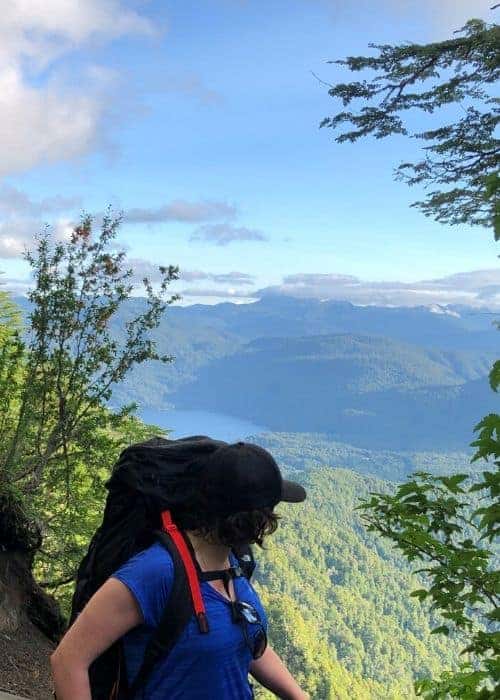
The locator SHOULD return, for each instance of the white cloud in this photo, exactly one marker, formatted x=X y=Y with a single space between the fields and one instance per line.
x=42 y=31
x=18 y=235
x=15 y=285
x=41 y=119
x=15 y=202
x=41 y=125
x=145 y=268
x=222 y=234
x=183 y=211
x=216 y=293
x=236 y=278
x=477 y=288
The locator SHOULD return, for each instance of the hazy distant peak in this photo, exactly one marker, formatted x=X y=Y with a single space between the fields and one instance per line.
x=439 y=309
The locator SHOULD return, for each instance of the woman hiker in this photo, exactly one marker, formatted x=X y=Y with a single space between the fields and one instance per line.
x=233 y=506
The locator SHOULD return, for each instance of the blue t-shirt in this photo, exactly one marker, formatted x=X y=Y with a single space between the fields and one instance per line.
x=200 y=666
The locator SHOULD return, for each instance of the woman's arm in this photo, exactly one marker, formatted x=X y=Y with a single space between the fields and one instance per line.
x=270 y=672
x=108 y=615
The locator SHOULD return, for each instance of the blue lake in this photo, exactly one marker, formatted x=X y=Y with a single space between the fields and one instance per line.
x=215 y=425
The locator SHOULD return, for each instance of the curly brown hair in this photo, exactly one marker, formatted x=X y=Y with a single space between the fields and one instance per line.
x=236 y=529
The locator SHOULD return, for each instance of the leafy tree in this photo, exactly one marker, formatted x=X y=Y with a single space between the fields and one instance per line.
x=431 y=519
x=434 y=519
x=461 y=157
x=71 y=509
x=11 y=354
x=58 y=438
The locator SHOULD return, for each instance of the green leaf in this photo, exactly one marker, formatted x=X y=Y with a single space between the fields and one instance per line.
x=494 y=615
x=451 y=482
x=494 y=376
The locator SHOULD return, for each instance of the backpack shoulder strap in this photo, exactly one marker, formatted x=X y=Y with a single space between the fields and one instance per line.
x=181 y=604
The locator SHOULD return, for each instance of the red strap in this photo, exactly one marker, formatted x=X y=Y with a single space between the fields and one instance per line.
x=194 y=584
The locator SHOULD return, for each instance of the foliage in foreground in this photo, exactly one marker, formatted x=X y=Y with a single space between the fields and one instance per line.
x=431 y=518
x=57 y=437
x=461 y=157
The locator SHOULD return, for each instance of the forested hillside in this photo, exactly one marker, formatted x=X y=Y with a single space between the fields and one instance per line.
x=450 y=347
x=338 y=598
x=460 y=328
x=378 y=378
x=371 y=392
x=302 y=452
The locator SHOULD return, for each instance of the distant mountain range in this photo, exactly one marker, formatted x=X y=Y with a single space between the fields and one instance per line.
x=453 y=328
x=374 y=377
x=368 y=391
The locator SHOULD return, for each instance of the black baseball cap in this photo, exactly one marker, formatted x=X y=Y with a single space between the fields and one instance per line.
x=243 y=476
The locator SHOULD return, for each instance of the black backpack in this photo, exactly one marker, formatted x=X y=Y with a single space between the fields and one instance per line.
x=149 y=479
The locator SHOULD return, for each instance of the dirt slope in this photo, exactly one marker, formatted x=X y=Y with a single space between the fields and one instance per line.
x=30 y=620
x=24 y=663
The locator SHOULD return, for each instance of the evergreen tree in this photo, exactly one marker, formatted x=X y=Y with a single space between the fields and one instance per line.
x=460 y=157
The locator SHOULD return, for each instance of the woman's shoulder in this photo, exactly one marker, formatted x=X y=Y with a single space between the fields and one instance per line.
x=149 y=576
x=155 y=552
x=151 y=567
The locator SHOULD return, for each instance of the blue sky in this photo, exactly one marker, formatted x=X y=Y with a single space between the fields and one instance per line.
x=202 y=118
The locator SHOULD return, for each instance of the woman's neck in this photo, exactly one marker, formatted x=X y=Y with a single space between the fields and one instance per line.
x=211 y=557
